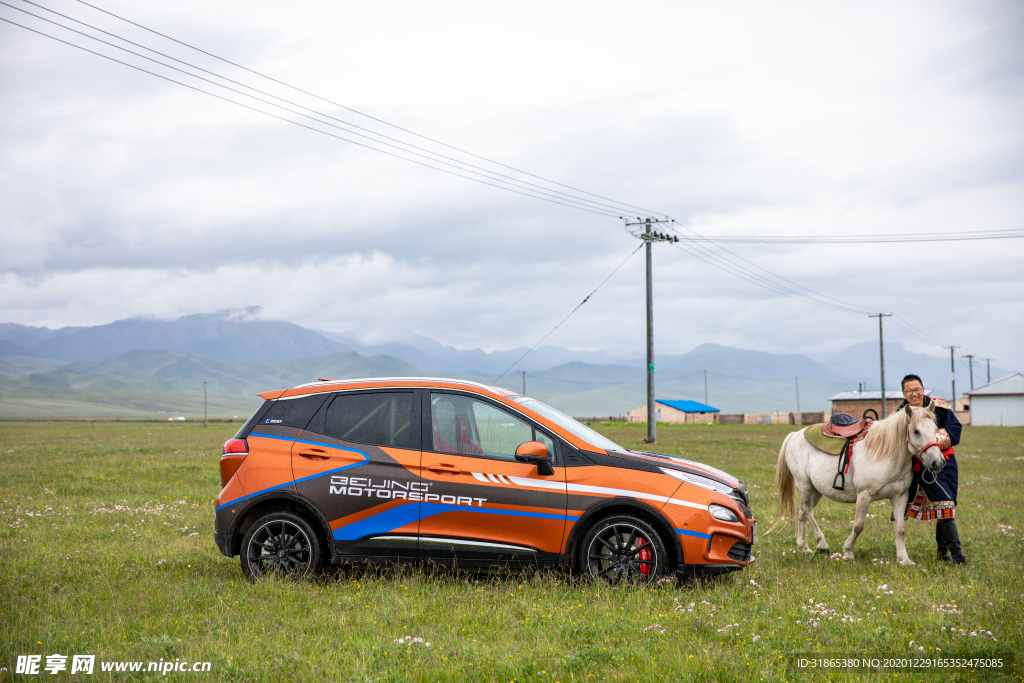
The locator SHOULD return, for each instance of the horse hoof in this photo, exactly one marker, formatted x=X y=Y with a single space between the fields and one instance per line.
x=823 y=551
x=907 y=563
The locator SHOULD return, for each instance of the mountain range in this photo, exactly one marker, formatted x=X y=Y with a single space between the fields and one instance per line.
x=142 y=366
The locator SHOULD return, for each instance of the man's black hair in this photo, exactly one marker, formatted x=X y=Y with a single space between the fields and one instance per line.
x=910 y=378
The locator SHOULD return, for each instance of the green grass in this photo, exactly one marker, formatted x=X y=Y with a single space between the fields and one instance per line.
x=106 y=548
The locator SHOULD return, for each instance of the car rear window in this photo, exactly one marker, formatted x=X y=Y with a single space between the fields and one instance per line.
x=293 y=412
x=253 y=420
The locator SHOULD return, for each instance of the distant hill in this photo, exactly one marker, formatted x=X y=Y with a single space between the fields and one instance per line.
x=148 y=382
x=9 y=348
x=860 y=362
x=582 y=389
x=432 y=356
x=238 y=356
x=227 y=335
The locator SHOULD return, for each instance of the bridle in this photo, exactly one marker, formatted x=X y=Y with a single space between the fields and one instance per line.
x=911 y=448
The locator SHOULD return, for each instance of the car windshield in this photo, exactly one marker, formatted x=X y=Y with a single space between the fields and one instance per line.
x=567 y=423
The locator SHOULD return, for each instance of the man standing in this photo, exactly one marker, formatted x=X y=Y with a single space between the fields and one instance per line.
x=933 y=496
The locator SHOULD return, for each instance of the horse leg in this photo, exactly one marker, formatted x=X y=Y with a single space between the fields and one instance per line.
x=899 y=502
x=819 y=538
x=863 y=501
x=801 y=526
x=805 y=513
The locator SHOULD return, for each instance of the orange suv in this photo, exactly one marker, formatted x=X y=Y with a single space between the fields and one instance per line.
x=458 y=473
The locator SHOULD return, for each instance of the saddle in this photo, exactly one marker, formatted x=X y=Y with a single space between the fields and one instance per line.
x=847 y=426
x=836 y=437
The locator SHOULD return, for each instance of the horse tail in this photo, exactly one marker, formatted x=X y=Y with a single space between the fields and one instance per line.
x=785 y=482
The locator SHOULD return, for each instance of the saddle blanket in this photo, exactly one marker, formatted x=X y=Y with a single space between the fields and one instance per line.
x=822 y=438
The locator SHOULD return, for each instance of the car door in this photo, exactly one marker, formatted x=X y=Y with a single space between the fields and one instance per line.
x=358 y=462
x=479 y=503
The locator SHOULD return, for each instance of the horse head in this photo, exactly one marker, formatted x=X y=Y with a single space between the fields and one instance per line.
x=921 y=430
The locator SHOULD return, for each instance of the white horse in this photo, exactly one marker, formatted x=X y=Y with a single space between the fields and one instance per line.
x=880 y=467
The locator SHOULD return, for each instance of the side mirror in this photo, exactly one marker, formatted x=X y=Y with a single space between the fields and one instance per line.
x=535 y=453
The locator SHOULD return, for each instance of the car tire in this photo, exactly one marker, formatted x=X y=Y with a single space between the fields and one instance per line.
x=623 y=549
x=280 y=543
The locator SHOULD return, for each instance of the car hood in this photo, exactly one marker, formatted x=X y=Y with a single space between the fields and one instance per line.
x=671 y=462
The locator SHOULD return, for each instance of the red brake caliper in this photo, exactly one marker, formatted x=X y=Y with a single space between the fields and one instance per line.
x=644 y=554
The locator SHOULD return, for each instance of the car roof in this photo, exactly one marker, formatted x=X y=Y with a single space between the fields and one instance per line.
x=500 y=394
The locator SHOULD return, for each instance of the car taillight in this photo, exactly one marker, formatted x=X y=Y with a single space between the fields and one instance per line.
x=235 y=446
x=235 y=451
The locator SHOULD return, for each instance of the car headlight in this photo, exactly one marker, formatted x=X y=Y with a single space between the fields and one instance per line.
x=697 y=480
x=723 y=513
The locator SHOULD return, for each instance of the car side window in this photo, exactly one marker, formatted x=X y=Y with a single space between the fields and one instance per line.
x=466 y=426
x=379 y=419
x=546 y=440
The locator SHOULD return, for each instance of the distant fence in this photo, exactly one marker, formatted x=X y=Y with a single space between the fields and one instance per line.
x=775 y=418
x=599 y=420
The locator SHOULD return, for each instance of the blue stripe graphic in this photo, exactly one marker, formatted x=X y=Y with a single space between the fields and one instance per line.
x=311 y=443
x=696 y=534
x=366 y=459
x=408 y=513
x=253 y=495
x=340 y=469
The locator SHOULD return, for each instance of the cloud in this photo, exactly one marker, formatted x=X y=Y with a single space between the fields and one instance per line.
x=124 y=195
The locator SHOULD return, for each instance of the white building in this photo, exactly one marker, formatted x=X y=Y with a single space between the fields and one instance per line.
x=999 y=404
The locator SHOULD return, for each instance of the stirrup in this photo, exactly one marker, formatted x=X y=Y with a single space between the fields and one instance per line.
x=842 y=482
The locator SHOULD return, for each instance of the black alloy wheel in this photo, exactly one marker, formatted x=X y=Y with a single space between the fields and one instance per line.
x=623 y=549
x=280 y=543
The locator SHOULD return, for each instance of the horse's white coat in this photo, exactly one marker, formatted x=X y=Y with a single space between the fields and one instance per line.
x=880 y=467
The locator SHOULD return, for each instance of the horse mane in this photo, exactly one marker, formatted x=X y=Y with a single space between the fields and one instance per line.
x=886 y=437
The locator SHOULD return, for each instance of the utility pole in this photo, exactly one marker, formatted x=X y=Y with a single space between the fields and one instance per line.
x=952 y=372
x=524 y=382
x=988 y=369
x=970 y=367
x=798 y=397
x=205 y=423
x=649 y=236
x=706 y=388
x=881 y=357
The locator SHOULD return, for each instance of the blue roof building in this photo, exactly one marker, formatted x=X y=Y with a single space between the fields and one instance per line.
x=676 y=412
x=689 y=406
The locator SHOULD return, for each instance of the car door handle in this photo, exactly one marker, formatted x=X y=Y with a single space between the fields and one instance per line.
x=445 y=470
x=314 y=454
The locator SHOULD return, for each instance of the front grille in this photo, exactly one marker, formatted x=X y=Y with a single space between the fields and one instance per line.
x=739 y=552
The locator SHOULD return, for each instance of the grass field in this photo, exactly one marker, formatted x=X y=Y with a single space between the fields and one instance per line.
x=106 y=548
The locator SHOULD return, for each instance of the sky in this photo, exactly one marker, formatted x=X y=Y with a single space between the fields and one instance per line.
x=125 y=195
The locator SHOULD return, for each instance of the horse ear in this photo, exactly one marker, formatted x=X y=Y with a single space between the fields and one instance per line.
x=908 y=410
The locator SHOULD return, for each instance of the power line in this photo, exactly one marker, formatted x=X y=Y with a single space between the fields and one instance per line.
x=345 y=125
x=738 y=270
x=302 y=125
x=769 y=280
x=350 y=109
x=959 y=236
x=778 y=379
x=779 y=285
x=585 y=299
